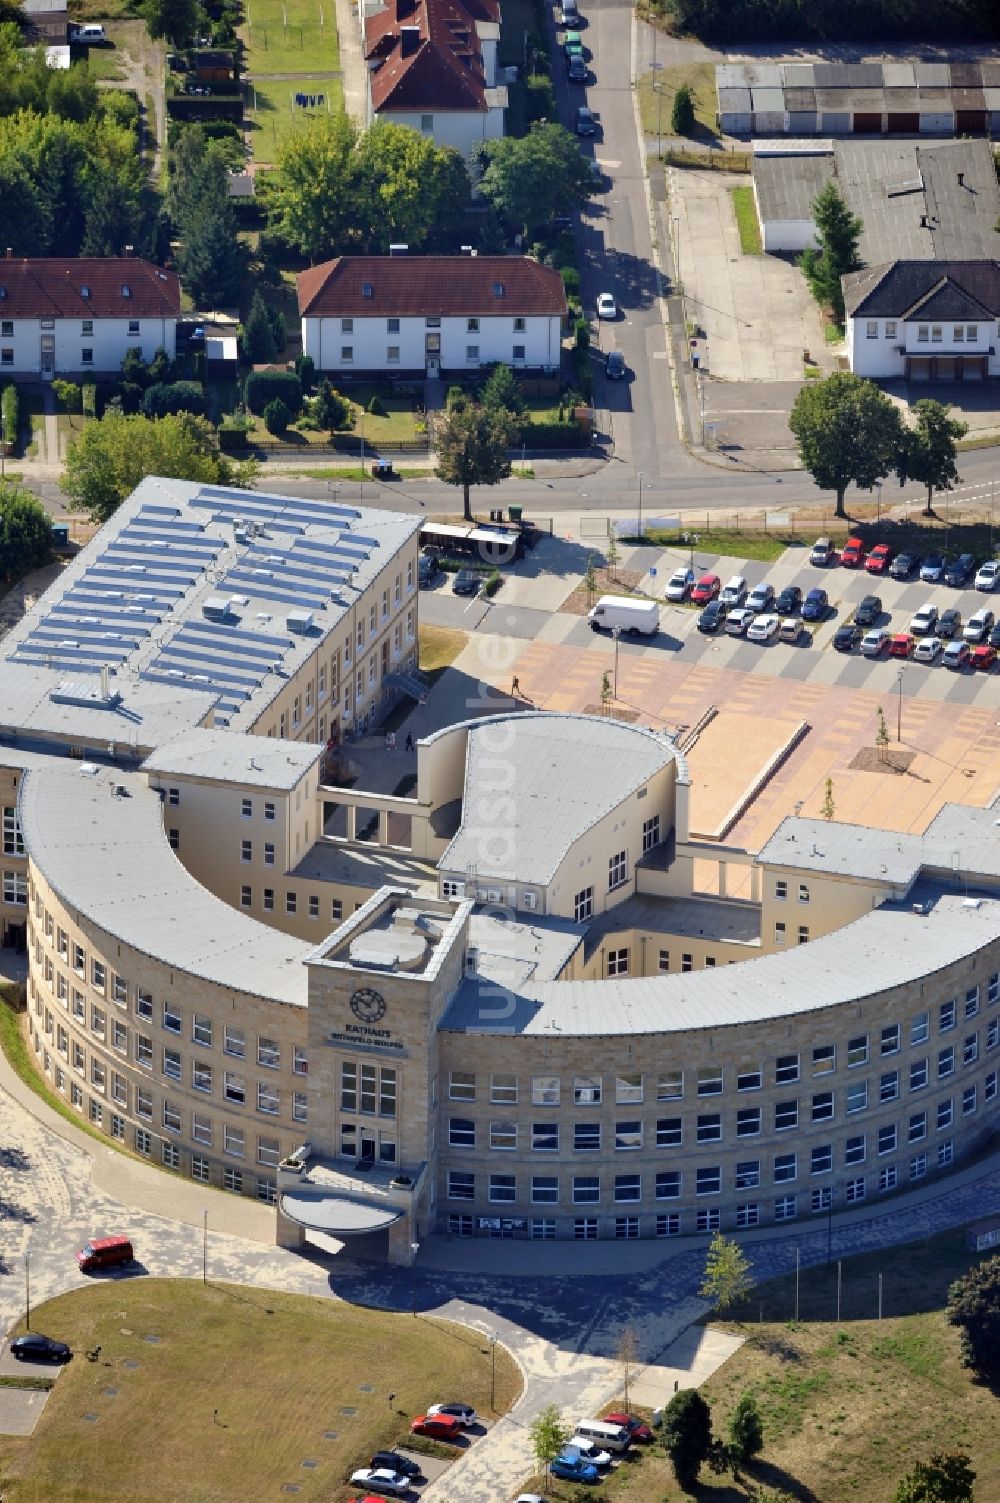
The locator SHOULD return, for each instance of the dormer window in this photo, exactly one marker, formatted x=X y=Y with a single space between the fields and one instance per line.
x=498 y=289
x=84 y=291
x=126 y=290
x=367 y=290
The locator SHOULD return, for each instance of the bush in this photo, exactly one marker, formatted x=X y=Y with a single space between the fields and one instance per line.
x=68 y=395
x=687 y=1434
x=90 y=400
x=10 y=409
x=330 y=410
x=456 y=399
x=305 y=369
x=682 y=113
x=276 y=417
x=376 y=407
x=262 y=387
x=176 y=396
x=539 y=98
x=974 y=1307
x=571 y=281
x=500 y=389
x=582 y=334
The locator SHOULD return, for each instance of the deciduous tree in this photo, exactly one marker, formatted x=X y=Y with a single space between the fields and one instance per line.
x=945 y=1478
x=974 y=1307
x=548 y=1436
x=929 y=449
x=727 y=1279
x=687 y=1434
x=176 y=20
x=472 y=449
x=848 y=433
x=746 y=1430
x=25 y=532
x=531 y=179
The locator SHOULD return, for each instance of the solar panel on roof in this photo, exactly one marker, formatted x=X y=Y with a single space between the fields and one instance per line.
x=206 y=628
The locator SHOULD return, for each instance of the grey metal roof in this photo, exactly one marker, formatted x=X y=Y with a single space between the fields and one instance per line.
x=787 y=185
x=890 y=947
x=133 y=603
x=694 y=918
x=107 y=857
x=235 y=757
x=562 y=774
x=843 y=850
x=338 y=1215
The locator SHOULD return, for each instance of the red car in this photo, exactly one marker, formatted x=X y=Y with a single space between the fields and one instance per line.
x=637 y=1428
x=983 y=656
x=706 y=589
x=879 y=559
x=902 y=645
x=853 y=555
x=438 y=1426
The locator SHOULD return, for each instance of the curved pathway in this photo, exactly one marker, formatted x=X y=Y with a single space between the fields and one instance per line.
x=559 y=1310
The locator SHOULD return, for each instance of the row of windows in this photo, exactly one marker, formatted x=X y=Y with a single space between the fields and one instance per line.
x=787 y=1069
x=926 y=333
x=433 y=322
x=86 y=326
x=588 y=1189
x=518 y=352
x=13 y=840
x=291 y=902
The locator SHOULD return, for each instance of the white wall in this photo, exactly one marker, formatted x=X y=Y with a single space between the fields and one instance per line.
x=109 y=341
x=462 y=129
x=787 y=234
x=874 y=357
x=369 y=340
x=878 y=356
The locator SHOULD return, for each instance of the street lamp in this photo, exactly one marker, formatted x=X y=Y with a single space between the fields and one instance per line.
x=616 y=632
x=694 y=543
x=204 y=1246
x=491 y=1337
x=414 y=1249
x=639 y=478
x=27 y=1289
x=899 y=705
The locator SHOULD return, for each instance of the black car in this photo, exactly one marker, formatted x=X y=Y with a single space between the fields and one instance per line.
x=585 y=122
x=846 y=638
x=815 y=605
x=712 y=617
x=789 y=601
x=614 y=366
x=34 y=1347
x=904 y=565
x=394 y=1461
x=949 y=623
x=994 y=636
x=576 y=68
x=960 y=572
x=868 y=611
x=467 y=582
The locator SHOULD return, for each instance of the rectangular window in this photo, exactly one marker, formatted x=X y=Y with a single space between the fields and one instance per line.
x=670 y=1087
x=972 y=1002
x=617 y=963
x=171 y=1017
x=392 y=354
x=710 y=1128
x=785 y=1167
x=472 y=352
x=887 y=1178
x=970 y=1049
x=545 y=1137
x=461 y=1186
x=917 y=1127
x=748 y=1214
x=628 y=1089
x=857 y=1051
x=544 y=1189
x=747 y=1174
x=617 y=870
x=518 y=352
x=669 y=1132
x=268 y=1054
x=628 y=1136
x=201 y=1075
x=503 y=1090
x=628 y=1187
x=786 y=1115
x=268 y=899
x=968 y=1101
x=461 y=1132
x=946 y=1063
x=821 y=1159
x=650 y=833
x=871 y=328
x=855 y=1190
x=171 y=1117
x=749 y=1080
x=784 y=1208
x=822 y=1106
x=959 y=334
x=945 y=1154
x=291 y=902
x=710 y=1081
x=664 y=960
x=545 y=1090
x=235 y=1088
x=781 y=891
x=503 y=1137
x=586 y=1137
x=947 y=1014
x=918 y=1166
x=945 y=1114
x=857 y=1096
x=586 y=1189
x=888 y=1086
x=461 y=1086
x=668 y=1184
x=172 y=1063
x=990 y=1086
x=889 y=1040
x=887 y=1139
x=779 y=934
x=708 y=1181
x=708 y=1220
x=920 y=1028
x=786 y=1069
x=918 y=1074
x=890 y=328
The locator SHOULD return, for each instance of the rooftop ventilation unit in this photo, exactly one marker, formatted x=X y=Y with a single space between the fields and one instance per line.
x=300 y=621
x=216 y=609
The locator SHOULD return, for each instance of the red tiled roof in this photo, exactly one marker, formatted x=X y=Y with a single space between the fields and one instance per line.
x=435 y=286
x=53 y=288
x=444 y=69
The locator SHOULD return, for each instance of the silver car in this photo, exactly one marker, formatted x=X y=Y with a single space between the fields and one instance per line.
x=380 y=1480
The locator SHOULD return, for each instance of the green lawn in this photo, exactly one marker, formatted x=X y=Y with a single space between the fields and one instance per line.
x=745 y=209
x=406 y=472
x=239 y=1390
x=308 y=44
x=272 y=114
x=764 y=547
x=105 y=62
x=700 y=79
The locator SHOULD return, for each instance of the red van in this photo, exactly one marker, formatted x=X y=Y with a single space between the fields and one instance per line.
x=104 y=1252
x=853 y=553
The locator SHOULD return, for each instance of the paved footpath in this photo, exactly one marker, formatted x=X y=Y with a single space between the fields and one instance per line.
x=58 y=1187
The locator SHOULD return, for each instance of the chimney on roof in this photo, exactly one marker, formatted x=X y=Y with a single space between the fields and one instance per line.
x=923 y=221
x=961 y=179
x=127 y=251
x=10 y=253
x=409 y=40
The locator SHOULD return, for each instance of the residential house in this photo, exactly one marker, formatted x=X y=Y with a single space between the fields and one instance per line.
x=433 y=65
x=428 y=315
x=924 y=320
x=66 y=317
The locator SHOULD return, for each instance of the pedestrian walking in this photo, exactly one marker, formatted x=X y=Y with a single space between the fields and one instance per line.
x=409 y=742
x=515 y=685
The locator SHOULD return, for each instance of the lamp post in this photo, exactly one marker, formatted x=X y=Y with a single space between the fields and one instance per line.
x=694 y=544
x=616 y=632
x=204 y=1246
x=639 y=478
x=414 y=1249
x=878 y=511
x=491 y=1337
x=899 y=705
x=27 y=1288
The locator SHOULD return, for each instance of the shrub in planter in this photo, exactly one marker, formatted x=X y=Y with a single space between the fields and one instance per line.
x=276 y=417
x=262 y=387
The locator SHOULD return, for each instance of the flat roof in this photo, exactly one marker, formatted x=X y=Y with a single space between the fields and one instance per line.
x=199 y=602
x=564 y=773
x=106 y=855
x=889 y=947
x=842 y=850
x=235 y=757
x=786 y=185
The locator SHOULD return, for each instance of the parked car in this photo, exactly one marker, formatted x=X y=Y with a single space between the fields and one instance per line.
x=761 y=597
x=928 y=650
x=467 y=582
x=606 y=306
x=570 y=14
x=815 y=606
x=903 y=565
x=585 y=122
x=428 y=569
x=901 y=645
x=576 y=68
x=853 y=553
x=614 y=366
x=381 y=1481
x=869 y=611
x=994 y=637
x=680 y=584
x=789 y=600
x=572 y=43
x=956 y=655
x=924 y=622
x=34 y=1347
x=735 y=592
x=790 y=630
x=846 y=638
x=875 y=642
x=591 y=1451
x=395 y=1461
x=573 y=1467
x=821 y=553
x=879 y=559
x=763 y=628
x=712 y=617
x=949 y=623
x=437 y=1426
x=738 y=621
x=706 y=589
x=932 y=568
x=979 y=626
x=105 y=1252
x=960 y=572
x=983 y=656
x=464 y=1413
x=637 y=1428
x=988 y=577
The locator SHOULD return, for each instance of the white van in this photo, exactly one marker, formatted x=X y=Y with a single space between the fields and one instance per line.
x=612 y=1437
x=627 y=613
x=90 y=32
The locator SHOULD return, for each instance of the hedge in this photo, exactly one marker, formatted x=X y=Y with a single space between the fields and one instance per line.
x=552 y=436
x=262 y=387
x=11 y=414
x=176 y=396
